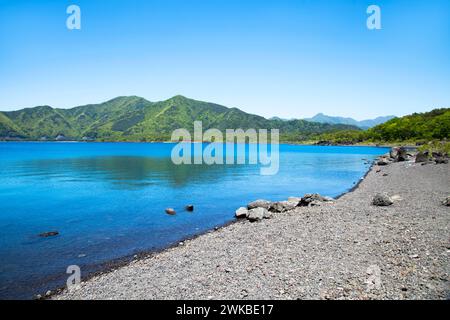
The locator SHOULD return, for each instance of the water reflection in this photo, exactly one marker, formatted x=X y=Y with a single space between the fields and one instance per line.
x=129 y=172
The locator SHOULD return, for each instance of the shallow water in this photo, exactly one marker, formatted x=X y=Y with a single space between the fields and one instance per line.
x=107 y=200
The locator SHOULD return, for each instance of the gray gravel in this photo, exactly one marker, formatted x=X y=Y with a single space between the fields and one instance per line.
x=322 y=252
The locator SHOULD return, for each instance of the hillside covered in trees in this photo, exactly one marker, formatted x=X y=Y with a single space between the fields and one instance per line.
x=136 y=119
x=415 y=128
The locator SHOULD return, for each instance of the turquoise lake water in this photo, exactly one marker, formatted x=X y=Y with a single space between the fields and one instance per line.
x=107 y=201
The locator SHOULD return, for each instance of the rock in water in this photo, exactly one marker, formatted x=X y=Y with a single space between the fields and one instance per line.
x=382 y=200
x=190 y=207
x=49 y=234
x=256 y=214
x=170 y=211
x=259 y=204
x=421 y=157
x=446 y=201
x=241 y=212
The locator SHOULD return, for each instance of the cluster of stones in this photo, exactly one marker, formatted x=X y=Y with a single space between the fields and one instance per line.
x=399 y=154
x=264 y=209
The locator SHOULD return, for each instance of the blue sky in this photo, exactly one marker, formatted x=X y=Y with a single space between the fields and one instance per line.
x=290 y=59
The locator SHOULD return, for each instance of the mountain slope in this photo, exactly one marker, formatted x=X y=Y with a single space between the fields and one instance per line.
x=364 y=124
x=136 y=119
x=417 y=127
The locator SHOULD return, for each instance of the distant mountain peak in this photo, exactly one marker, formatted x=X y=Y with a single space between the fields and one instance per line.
x=364 y=124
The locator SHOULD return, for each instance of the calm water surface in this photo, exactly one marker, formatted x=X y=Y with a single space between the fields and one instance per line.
x=107 y=200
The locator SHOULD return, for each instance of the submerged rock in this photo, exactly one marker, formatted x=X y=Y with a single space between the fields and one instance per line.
x=382 y=200
x=259 y=204
x=241 y=212
x=48 y=234
x=170 y=211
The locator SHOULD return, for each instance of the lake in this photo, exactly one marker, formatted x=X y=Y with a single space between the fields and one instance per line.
x=108 y=201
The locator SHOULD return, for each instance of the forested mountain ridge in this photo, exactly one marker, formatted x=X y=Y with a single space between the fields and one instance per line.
x=136 y=119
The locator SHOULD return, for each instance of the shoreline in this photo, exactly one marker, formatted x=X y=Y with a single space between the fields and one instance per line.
x=136 y=280
x=109 y=284
x=111 y=266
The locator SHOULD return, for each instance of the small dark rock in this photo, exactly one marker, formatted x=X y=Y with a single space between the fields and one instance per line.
x=382 y=200
x=48 y=234
x=441 y=160
x=170 y=211
x=315 y=197
x=190 y=207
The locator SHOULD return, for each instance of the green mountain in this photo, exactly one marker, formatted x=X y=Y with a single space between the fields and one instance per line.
x=417 y=127
x=364 y=124
x=433 y=125
x=136 y=119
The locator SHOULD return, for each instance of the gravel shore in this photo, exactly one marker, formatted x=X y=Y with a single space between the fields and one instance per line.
x=330 y=251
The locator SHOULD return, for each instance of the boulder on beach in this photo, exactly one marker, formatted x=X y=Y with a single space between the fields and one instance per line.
x=170 y=211
x=48 y=234
x=382 y=200
x=441 y=160
x=382 y=162
x=241 y=212
x=311 y=197
x=259 y=204
x=257 y=214
x=282 y=206
x=398 y=154
x=422 y=156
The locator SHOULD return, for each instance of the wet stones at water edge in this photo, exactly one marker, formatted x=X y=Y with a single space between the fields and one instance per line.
x=49 y=234
x=382 y=200
x=264 y=209
x=259 y=204
x=313 y=199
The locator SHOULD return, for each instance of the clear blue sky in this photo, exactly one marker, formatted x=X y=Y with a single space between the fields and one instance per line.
x=286 y=58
